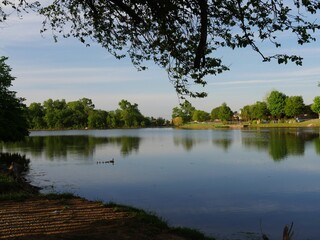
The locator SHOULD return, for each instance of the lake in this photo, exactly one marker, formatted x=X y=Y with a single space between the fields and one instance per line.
x=227 y=183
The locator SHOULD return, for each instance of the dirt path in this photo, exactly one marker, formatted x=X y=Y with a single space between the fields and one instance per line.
x=72 y=219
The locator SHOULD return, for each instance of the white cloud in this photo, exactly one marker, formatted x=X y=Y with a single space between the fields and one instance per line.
x=242 y=82
x=21 y=30
x=270 y=77
x=77 y=75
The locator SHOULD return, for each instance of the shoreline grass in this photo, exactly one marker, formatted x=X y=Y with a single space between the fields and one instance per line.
x=313 y=123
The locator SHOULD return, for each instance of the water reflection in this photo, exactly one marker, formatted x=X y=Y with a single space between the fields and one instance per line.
x=60 y=147
x=219 y=181
x=191 y=138
x=281 y=143
x=127 y=144
x=317 y=145
x=223 y=143
x=186 y=143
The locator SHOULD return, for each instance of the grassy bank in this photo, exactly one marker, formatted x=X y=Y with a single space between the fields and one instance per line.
x=10 y=189
x=290 y=124
x=286 y=124
x=12 y=182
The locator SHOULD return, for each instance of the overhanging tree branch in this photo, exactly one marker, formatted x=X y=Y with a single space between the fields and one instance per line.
x=181 y=36
x=200 y=51
x=136 y=18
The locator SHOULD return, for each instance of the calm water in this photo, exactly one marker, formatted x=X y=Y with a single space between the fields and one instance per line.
x=227 y=183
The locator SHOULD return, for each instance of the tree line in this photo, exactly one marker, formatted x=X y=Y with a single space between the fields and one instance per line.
x=276 y=106
x=81 y=114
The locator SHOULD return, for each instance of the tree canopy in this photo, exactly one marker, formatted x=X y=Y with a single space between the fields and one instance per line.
x=185 y=111
x=225 y=113
x=200 y=116
x=276 y=102
x=222 y=112
x=13 y=121
x=316 y=105
x=182 y=36
x=294 y=106
x=130 y=114
x=260 y=110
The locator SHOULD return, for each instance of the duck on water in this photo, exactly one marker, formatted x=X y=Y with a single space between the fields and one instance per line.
x=103 y=162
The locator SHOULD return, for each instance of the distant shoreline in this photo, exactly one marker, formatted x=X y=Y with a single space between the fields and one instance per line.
x=313 y=123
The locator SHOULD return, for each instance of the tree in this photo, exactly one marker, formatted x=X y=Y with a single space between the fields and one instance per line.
x=13 y=120
x=181 y=36
x=259 y=110
x=316 y=105
x=176 y=112
x=114 y=119
x=97 y=119
x=160 y=122
x=57 y=114
x=200 y=116
x=222 y=113
x=36 y=116
x=130 y=114
x=225 y=112
x=80 y=111
x=276 y=103
x=294 y=106
x=246 y=113
x=215 y=113
x=185 y=111
x=155 y=122
x=308 y=111
x=177 y=121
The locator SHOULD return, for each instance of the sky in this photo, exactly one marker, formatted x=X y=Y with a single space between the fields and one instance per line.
x=69 y=70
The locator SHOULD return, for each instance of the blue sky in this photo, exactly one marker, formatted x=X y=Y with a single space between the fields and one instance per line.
x=69 y=70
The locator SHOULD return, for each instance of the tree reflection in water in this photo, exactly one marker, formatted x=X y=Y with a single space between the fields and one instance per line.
x=281 y=143
x=223 y=143
x=59 y=147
